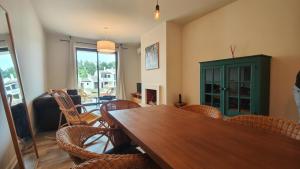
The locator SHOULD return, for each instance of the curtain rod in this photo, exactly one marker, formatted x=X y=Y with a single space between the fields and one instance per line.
x=87 y=43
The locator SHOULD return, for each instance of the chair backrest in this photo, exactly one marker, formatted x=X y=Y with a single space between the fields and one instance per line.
x=271 y=124
x=67 y=106
x=72 y=138
x=115 y=105
x=205 y=110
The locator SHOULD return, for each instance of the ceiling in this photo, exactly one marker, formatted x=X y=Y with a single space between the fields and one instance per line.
x=126 y=20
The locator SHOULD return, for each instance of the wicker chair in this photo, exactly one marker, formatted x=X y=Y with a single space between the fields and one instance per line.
x=115 y=105
x=72 y=139
x=204 y=109
x=118 y=163
x=275 y=125
x=71 y=113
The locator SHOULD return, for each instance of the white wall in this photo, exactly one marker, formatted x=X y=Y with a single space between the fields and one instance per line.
x=174 y=63
x=57 y=52
x=156 y=76
x=132 y=68
x=29 y=42
x=168 y=76
x=268 y=27
x=58 y=58
x=7 y=152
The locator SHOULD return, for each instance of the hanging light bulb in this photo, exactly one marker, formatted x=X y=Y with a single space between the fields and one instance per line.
x=157 y=12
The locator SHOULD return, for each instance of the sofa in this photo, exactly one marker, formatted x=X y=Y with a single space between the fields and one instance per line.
x=47 y=112
x=20 y=120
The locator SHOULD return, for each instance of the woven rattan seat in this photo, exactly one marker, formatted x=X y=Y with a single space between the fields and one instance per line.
x=115 y=105
x=205 y=110
x=71 y=113
x=72 y=138
x=275 y=125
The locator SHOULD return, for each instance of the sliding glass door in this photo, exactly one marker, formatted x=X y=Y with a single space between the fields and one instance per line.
x=108 y=76
x=96 y=74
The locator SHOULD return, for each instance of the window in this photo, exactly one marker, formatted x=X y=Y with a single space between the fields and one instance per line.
x=8 y=73
x=16 y=96
x=14 y=86
x=93 y=69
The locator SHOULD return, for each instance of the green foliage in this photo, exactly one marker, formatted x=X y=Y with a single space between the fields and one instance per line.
x=111 y=65
x=105 y=65
x=8 y=72
x=89 y=68
x=82 y=70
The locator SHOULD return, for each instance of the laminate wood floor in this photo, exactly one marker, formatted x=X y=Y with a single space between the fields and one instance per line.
x=52 y=157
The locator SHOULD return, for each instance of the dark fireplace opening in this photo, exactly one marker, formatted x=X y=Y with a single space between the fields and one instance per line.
x=151 y=97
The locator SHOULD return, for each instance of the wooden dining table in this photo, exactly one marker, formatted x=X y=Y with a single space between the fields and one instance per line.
x=178 y=139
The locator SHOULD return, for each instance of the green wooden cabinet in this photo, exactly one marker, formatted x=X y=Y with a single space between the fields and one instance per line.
x=236 y=86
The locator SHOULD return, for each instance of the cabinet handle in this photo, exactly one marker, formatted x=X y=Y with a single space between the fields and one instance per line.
x=223 y=88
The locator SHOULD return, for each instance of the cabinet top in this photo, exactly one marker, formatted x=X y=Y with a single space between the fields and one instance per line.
x=253 y=57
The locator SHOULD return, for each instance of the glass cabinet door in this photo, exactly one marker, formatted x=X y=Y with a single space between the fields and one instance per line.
x=232 y=90
x=238 y=90
x=245 y=90
x=212 y=86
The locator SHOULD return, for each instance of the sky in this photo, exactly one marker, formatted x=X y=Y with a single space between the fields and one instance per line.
x=92 y=56
x=5 y=60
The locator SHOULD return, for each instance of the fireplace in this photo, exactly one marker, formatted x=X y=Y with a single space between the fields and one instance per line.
x=151 y=97
x=150 y=94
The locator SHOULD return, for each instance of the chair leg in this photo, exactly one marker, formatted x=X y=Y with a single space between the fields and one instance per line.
x=103 y=124
x=60 y=119
x=106 y=144
x=93 y=142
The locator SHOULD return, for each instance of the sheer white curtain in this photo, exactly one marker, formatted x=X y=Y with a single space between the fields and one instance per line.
x=71 y=66
x=120 y=88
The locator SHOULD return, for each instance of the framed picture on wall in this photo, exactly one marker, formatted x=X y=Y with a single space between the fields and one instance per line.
x=152 y=57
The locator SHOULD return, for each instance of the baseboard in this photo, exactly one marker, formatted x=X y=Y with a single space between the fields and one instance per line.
x=12 y=163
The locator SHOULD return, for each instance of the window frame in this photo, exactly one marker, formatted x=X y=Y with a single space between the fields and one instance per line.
x=97 y=66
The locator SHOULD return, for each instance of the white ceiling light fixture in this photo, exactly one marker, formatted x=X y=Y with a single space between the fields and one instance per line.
x=106 y=46
x=157 y=11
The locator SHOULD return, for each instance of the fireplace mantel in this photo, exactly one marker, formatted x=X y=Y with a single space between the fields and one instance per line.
x=151 y=87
